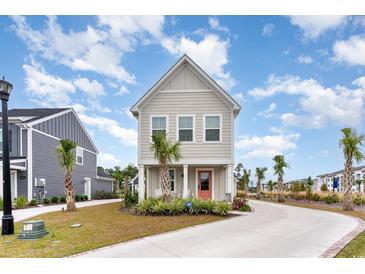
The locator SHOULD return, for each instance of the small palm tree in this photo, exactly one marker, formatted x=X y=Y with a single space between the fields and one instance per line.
x=118 y=177
x=270 y=185
x=66 y=157
x=279 y=166
x=128 y=172
x=165 y=152
x=260 y=174
x=309 y=186
x=350 y=144
x=246 y=180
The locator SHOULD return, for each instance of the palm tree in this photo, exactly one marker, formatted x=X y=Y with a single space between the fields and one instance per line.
x=279 y=166
x=66 y=157
x=128 y=172
x=309 y=186
x=246 y=179
x=260 y=174
x=270 y=185
x=350 y=144
x=118 y=177
x=165 y=152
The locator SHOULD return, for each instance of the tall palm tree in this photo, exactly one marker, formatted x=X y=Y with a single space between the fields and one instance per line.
x=279 y=166
x=350 y=144
x=246 y=179
x=118 y=177
x=128 y=172
x=260 y=174
x=66 y=157
x=165 y=152
x=270 y=185
x=309 y=186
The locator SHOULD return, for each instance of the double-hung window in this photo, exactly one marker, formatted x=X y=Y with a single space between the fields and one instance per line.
x=79 y=156
x=212 y=129
x=185 y=128
x=158 y=124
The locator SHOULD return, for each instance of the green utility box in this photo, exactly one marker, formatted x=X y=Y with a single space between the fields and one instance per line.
x=34 y=229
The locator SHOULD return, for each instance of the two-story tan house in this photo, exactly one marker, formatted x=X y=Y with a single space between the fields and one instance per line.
x=193 y=109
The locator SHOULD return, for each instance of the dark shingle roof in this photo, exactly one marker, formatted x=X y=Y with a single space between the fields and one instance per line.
x=102 y=173
x=34 y=113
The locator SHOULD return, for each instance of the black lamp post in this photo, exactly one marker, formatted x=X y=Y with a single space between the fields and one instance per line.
x=7 y=219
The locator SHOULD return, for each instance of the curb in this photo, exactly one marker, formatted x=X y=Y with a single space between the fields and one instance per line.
x=332 y=251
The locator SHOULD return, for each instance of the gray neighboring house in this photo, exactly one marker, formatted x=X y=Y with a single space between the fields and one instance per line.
x=34 y=135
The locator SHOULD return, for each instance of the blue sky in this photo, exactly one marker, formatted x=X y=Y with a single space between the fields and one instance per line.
x=299 y=79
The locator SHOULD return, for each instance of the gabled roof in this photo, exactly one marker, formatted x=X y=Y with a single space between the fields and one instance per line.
x=33 y=114
x=101 y=173
x=185 y=59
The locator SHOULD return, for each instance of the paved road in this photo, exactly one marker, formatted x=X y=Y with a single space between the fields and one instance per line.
x=271 y=231
x=22 y=214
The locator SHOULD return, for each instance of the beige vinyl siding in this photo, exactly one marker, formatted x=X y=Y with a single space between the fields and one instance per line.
x=198 y=103
x=184 y=79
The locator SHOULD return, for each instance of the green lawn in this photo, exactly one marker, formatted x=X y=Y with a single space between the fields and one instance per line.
x=355 y=248
x=101 y=226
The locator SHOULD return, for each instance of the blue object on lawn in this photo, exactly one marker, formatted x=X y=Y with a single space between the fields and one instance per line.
x=189 y=205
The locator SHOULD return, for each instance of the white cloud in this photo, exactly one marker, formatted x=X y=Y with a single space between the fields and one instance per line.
x=106 y=125
x=108 y=160
x=47 y=89
x=320 y=105
x=211 y=53
x=351 y=51
x=305 y=59
x=268 y=113
x=215 y=25
x=324 y=152
x=123 y=90
x=314 y=26
x=126 y=111
x=267 y=146
x=91 y=88
x=239 y=97
x=268 y=29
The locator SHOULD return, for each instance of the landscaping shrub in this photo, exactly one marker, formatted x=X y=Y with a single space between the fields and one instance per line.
x=324 y=188
x=245 y=208
x=77 y=198
x=331 y=198
x=63 y=200
x=357 y=200
x=1 y=203
x=297 y=187
x=33 y=202
x=299 y=196
x=130 y=199
x=46 y=201
x=155 y=206
x=21 y=202
x=316 y=197
x=86 y=197
x=82 y=197
x=54 y=199
x=238 y=203
x=101 y=194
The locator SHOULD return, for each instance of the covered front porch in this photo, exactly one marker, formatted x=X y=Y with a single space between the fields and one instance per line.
x=213 y=182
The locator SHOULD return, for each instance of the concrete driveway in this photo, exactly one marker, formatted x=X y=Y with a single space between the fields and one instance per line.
x=22 y=214
x=271 y=231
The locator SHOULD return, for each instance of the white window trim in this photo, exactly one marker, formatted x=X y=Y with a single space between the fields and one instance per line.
x=82 y=162
x=178 y=128
x=167 y=123
x=174 y=169
x=220 y=129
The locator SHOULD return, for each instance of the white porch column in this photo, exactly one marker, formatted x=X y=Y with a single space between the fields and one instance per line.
x=141 y=183
x=148 y=174
x=229 y=181
x=185 y=189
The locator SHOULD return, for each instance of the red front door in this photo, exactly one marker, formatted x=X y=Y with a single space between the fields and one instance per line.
x=205 y=185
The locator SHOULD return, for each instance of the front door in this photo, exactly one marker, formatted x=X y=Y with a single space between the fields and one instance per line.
x=205 y=185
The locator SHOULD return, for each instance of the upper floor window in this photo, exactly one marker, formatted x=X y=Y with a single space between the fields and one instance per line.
x=158 y=124
x=79 y=155
x=212 y=128
x=185 y=128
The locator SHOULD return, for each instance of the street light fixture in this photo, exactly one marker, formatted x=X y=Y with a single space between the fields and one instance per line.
x=7 y=219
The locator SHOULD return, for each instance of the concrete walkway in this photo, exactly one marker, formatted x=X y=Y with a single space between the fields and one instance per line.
x=273 y=230
x=22 y=214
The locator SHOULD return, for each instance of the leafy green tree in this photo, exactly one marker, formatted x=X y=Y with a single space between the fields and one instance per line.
x=279 y=166
x=246 y=180
x=66 y=158
x=324 y=187
x=260 y=175
x=127 y=173
x=165 y=152
x=350 y=143
x=358 y=183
